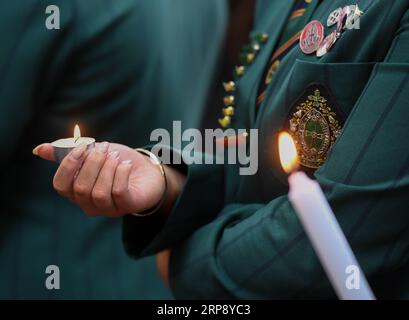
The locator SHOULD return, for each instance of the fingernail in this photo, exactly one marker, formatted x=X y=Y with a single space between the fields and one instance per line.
x=37 y=149
x=78 y=152
x=103 y=147
x=127 y=162
x=114 y=155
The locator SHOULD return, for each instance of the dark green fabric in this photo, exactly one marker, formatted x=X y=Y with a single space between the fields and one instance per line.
x=255 y=246
x=295 y=24
x=118 y=68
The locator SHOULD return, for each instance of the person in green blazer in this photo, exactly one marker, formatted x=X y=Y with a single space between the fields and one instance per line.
x=113 y=67
x=236 y=236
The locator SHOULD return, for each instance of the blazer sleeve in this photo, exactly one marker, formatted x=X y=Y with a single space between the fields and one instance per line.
x=260 y=251
x=201 y=199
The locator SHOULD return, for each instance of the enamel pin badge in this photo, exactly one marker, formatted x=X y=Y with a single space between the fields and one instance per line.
x=334 y=17
x=313 y=39
x=327 y=44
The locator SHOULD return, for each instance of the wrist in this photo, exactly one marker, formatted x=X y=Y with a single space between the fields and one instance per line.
x=176 y=182
x=157 y=163
x=173 y=182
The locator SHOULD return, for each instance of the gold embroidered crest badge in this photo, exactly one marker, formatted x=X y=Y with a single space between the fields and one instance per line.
x=315 y=127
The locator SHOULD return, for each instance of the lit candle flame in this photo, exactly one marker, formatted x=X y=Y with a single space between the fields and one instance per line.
x=77 y=132
x=288 y=152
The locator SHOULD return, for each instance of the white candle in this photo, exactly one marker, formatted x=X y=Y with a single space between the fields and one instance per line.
x=323 y=230
x=63 y=147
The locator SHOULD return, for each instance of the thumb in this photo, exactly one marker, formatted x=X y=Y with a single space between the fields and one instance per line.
x=44 y=151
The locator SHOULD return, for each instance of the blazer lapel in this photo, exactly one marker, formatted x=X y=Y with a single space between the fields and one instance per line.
x=271 y=16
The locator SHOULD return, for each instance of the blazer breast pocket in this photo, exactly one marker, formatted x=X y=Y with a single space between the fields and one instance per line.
x=343 y=81
x=313 y=104
x=322 y=95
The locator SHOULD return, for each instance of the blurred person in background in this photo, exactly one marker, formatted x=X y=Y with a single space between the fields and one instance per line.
x=119 y=69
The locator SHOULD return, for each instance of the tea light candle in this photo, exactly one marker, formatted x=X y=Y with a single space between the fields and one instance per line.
x=321 y=226
x=63 y=147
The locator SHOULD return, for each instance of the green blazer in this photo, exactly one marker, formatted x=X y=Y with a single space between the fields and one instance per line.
x=114 y=67
x=238 y=236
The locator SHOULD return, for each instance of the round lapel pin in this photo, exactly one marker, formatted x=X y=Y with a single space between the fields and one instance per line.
x=333 y=18
x=327 y=44
x=311 y=37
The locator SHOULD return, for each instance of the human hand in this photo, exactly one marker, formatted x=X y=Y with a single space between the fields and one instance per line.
x=110 y=180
